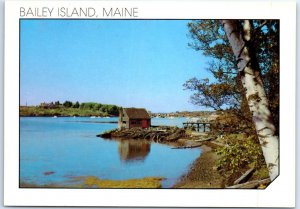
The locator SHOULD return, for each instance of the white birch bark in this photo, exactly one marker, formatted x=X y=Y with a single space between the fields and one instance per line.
x=238 y=37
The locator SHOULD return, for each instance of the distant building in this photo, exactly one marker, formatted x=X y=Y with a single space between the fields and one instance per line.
x=134 y=117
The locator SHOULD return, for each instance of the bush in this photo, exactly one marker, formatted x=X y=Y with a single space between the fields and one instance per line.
x=239 y=153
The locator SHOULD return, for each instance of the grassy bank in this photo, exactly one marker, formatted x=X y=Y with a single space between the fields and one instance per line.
x=61 y=111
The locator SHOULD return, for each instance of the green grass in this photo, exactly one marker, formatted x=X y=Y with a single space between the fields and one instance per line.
x=261 y=173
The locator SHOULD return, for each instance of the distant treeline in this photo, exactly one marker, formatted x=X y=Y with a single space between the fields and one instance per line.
x=69 y=108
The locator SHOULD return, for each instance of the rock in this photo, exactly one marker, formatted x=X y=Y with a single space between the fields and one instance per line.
x=162 y=134
x=47 y=173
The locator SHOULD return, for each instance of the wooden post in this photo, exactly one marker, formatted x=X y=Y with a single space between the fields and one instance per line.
x=204 y=127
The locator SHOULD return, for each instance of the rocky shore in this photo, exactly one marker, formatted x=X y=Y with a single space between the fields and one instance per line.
x=161 y=134
x=203 y=172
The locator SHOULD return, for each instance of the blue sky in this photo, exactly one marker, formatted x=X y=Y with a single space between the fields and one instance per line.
x=130 y=63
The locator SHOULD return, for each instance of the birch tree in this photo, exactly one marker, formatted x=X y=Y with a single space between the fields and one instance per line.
x=222 y=89
x=239 y=36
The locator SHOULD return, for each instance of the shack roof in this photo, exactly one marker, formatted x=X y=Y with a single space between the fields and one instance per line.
x=137 y=113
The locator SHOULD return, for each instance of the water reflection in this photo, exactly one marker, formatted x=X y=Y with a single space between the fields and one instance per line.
x=133 y=150
x=96 y=156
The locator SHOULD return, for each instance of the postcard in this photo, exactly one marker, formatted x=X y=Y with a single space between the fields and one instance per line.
x=149 y=104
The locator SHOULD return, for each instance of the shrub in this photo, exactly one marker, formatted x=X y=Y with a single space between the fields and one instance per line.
x=239 y=153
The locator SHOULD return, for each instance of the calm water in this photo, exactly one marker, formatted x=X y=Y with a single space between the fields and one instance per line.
x=54 y=150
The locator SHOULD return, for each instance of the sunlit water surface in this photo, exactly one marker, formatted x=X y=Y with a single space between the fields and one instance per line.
x=55 y=150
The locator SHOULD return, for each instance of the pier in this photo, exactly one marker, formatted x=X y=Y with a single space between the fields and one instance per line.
x=196 y=125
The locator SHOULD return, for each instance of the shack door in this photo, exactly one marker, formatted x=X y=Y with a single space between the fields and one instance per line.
x=145 y=124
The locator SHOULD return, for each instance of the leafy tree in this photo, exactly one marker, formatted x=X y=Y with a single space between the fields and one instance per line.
x=57 y=103
x=98 y=106
x=227 y=90
x=104 y=109
x=213 y=95
x=67 y=104
x=76 y=105
x=113 y=110
x=88 y=105
x=240 y=36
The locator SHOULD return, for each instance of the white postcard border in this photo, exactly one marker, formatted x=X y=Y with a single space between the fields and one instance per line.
x=279 y=194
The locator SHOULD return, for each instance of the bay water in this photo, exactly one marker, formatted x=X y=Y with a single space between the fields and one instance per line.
x=57 y=150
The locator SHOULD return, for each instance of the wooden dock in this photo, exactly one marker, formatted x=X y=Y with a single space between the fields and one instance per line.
x=197 y=125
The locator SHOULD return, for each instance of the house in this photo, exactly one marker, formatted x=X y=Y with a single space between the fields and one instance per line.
x=134 y=117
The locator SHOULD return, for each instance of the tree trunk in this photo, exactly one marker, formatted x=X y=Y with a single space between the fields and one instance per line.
x=239 y=37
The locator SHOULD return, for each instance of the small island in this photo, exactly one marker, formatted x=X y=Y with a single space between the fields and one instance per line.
x=70 y=109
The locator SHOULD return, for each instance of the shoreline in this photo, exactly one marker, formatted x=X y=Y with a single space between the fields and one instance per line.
x=195 y=175
x=202 y=173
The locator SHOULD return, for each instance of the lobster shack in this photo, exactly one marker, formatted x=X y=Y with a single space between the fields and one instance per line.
x=134 y=117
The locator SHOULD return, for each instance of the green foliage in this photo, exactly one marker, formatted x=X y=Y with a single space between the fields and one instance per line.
x=261 y=173
x=97 y=106
x=103 y=108
x=88 y=105
x=239 y=152
x=67 y=104
x=76 y=105
x=72 y=109
x=113 y=110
